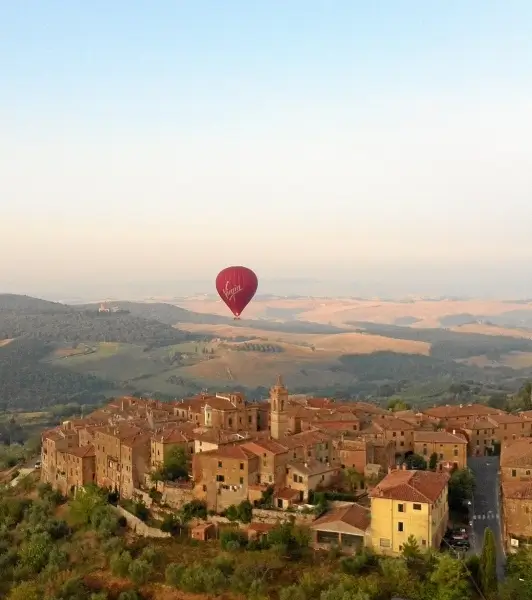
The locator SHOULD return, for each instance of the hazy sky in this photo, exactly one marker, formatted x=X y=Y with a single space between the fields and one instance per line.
x=145 y=141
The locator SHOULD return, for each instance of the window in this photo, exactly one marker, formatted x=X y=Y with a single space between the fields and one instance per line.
x=220 y=478
x=219 y=464
x=400 y=526
x=241 y=480
x=441 y=456
x=394 y=434
x=455 y=452
x=402 y=433
x=423 y=543
x=401 y=507
x=402 y=444
x=241 y=466
x=417 y=506
x=384 y=543
x=527 y=472
x=230 y=422
x=514 y=473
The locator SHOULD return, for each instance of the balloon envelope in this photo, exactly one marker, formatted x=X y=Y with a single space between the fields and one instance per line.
x=236 y=286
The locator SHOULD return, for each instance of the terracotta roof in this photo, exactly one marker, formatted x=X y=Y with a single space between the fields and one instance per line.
x=461 y=410
x=439 y=437
x=311 y=467
x=517 y=490
x=510 y=418
x=305 y=438
x=259 y=447
x=368 y=408
x=229 y=451
x=353 y=514
x=171 y=436
x=287 y=494
x=81 y=451
x=336 y=425
x=393 y=424
x=137 y=439
x=474 y=424
x=411 y=486
x=517 y=453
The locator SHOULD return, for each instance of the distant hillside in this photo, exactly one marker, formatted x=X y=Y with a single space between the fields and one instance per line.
x=26 y=383
x=27 y=305
x=165 y=313
x=54 y=322
x=512 y=318
x=449 y=344
x=172 y=315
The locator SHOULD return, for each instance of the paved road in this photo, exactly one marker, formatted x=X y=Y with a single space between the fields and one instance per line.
x=485 y=510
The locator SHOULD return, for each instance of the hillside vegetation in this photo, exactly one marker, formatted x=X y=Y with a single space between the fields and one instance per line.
x=51 y=549
x=52 y=354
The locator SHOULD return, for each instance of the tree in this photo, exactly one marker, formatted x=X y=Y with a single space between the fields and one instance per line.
x=411 y=551
x=397 y=404
x=488 y=564
x=433 y=461
x=175 y=466
x=416 y=461
x=450 y=579
x=461 y=488
x=140 y=571
x=353 y=479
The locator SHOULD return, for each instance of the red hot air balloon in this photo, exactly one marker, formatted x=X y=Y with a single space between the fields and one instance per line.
x=236 y=286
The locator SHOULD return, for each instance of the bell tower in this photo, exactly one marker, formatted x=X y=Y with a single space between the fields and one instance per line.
x=278 y=409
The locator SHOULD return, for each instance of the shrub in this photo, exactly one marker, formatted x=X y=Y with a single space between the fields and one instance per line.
x=152 y=555
x=140 y=571
x=173 y=574
x=233 y=540
x=120 y=564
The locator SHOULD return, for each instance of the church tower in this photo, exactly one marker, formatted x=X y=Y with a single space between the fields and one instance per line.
x=278 y=410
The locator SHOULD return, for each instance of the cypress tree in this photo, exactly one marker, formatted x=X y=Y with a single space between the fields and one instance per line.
x=488 y=564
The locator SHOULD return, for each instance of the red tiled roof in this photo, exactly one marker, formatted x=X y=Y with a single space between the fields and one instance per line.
x=517 y=490
x=462 y=410
x=353 y=514
x=439 y=437
x=81 y=451
x=230 y=451
x=259 y=447
x=517 y=453
x=411 y=486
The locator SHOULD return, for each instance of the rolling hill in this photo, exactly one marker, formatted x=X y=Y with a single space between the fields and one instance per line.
x=56 y=353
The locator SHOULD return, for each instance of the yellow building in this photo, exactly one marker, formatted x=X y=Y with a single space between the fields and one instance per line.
x=409 y=503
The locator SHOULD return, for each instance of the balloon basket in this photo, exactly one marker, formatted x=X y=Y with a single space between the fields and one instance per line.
x=236 y=318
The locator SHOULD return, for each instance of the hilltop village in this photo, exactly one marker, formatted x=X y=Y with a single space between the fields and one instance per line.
x=280 y=455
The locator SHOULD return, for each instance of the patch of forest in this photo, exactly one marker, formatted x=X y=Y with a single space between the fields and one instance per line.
x=26 y=383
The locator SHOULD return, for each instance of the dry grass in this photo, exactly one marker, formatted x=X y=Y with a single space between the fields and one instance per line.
x=493 y=330
x=332 y=344
x=514 y=360
x=337 y=311
x=301 y=352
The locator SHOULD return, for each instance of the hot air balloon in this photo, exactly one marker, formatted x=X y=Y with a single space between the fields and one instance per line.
x=236 y=287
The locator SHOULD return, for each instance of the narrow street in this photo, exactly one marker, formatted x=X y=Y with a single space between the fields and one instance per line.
x=485 y=510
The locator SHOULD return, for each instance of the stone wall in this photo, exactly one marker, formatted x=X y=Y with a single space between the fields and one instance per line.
x=261 y=515
x=176 y=496
x=138 y=526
